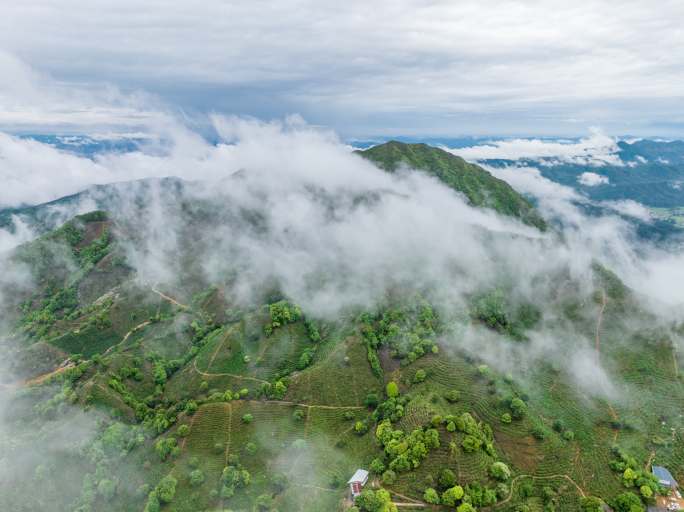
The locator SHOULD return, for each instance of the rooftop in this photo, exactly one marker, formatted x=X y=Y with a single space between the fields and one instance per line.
x=361 y=475
x=664 y=476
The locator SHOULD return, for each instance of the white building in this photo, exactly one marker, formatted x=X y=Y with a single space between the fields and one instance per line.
x=357 y=481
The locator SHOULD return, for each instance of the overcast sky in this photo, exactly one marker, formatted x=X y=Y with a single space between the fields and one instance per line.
x=387 y=67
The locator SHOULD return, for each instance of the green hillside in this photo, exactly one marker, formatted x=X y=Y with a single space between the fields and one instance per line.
x=127 y=394
x=479 y=186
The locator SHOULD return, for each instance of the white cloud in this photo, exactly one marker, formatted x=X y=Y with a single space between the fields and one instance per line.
x=591 y=179
x=597 y=149
x=629 y=208
x=433 y=65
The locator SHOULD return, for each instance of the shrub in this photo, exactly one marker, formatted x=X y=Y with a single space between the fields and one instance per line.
x=518 y=408
x=500 y=471
x=431 y=496
x=389 y=477
x=196 y=478
x=166 y=489
x=452 y=495
x=446 y=479
x=591 y=504
x=568 y=435
x=452 y=396
x=377 y=466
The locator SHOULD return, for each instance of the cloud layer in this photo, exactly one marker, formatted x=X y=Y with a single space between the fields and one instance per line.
x=503 y=67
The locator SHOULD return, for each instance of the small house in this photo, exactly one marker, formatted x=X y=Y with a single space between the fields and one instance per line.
x=357 y=481
x=665 y=478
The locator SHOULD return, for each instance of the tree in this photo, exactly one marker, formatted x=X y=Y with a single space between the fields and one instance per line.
x=518 y=408
x=419 y=376
x=446 y=479
x=183 y=430
x=166 y=489
x=465 y=507
x=264 y=502
x=392 y=389
x=389 y=477
x=152 y=504
x=591 y=504
x=627 y=502
x=646 y=491
x=196 y=478
x=106 y=488
x=452 y=396
x=247 y=418
x=506 y=418
x=367 y=501
x=452 y=495
x=500 y=471
x=371 y=401
x=377 y=466
x=191 y=407
x=431 y=496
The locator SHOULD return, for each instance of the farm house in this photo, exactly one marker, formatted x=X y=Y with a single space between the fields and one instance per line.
x=357 y=481
x=665 y=478
x=674 y=500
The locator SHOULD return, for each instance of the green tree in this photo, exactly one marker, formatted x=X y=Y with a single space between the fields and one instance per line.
x=153 y=504
x=431 y=496
x=183 y=430
x=196 y=478
x=500 y=471
x=392 y=389
x=518 y=408
x=452 y=495
x=465 y=507
x=419 y=376
x=106 y=488
x=591 y=504
x=506 y=418
x=627 y=502
x=247 y=418
x=446 y=478
x=167 y=489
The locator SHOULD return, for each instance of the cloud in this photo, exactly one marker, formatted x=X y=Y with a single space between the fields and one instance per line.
x=421 y=67
x=597 y=149
x=591 y=179
x=34 y=101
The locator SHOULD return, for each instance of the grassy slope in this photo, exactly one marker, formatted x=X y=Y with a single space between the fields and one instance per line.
x=138 y=323
x=478 y=185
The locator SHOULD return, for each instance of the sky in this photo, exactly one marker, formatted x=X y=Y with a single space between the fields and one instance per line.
x=416 y=67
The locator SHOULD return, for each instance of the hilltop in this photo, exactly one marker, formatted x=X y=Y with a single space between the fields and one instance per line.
x=479 y=186
x=139 y=387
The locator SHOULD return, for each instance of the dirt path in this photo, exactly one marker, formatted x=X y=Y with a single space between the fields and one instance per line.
x=170 y=299
x=220 y=346
x=412 y=501
x=36 y=381
x=285 y=402
x=650 y=460
x=513 y=482
x=234 y=375
x=128 y=335
x=599 y=323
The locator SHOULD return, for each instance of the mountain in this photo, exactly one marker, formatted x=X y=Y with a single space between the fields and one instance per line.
x=192 y=349
x=479 y=186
